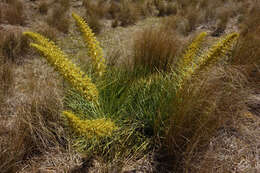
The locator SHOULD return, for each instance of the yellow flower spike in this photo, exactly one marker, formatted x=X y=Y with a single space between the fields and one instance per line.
x=40 y=39
x=191 y=52
x=218 y=50
x=68 y=70
x=189 y=65
x=94 y=49
x=90 y=128
x=185 y=64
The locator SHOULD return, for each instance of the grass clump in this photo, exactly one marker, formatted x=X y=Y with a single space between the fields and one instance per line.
x=155 y=49
x=247 y=50
x=43 y=7
x=37 y=126
x=13 y=46
x=165 y=8
x=15 y=13
x=95 y=11
x=163 y=100
x=200 y=108
x=58 y=19
x=124 y=13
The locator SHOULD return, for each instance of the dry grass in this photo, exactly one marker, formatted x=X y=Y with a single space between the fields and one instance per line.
x=146 y=8
x=113 y=9
x=94 y=23
x=65 y=4
x=165 y=8
x=201 y=107
x=94 y=12
x=155 y=49
x=192 y=18
x=1 y=15
x=43 y=7
x=7 y=83
x=37 y=127
x=47 y=31
x=129 y=13
x=124 y=13
x=247 y=50
x=204 y=105
x=233 y=148
x=13 y=46
x=14 y=14
x=96 y=8
x=58 y=19
x=7 y=78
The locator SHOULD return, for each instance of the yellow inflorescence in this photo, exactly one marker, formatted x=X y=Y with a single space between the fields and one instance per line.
x=186 y=63
x=189 y=65
x=90 y=128
x=188 y=57
x=64 y=66
x=219 y=50
x=94 y=49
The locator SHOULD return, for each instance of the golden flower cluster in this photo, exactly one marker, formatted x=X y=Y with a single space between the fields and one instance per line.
x=193 y=62
x=64 y=66
x=219 y=50
x=90 y=128
x=186 y=63
x=192 y=50
x=94 y=49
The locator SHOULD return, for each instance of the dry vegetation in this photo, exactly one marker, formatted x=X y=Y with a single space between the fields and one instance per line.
x=176 y=103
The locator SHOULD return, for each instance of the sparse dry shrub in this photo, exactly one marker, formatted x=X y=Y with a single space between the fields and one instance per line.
x=171 y=9
x=124 y=13
x=113 y=57
x=223 y=16
x=146 y=8
x=43 y=7
x=192 y=18
x=210 y=14
x=47 y=31
x=247 y=51
x=6 y=78
x=37 y=130
x=94 y=23
x=58 y=19
x=65 y=4
x=1 y=14
x=7 y=84
x=95 y=11
x=6 y=91
x=247 y=54
x=13 y=46
x=207 y=10
x=114 y=9
x=11 y=150
x=14 y=14
x=99 y=8
x=200 y=108
x=183 y=25
x=165 y=8
x=186 y=3
x=155 y=49
x=37 y=127
x=203 y=3
x=129 y=13
x=115 y=23
x=170 y=22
